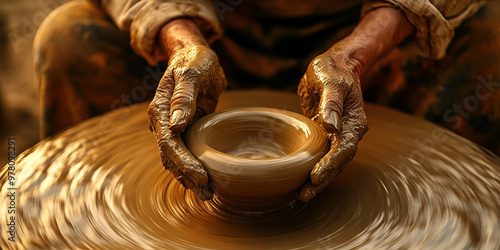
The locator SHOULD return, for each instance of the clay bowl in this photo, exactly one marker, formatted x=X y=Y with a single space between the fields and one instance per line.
x=256 y=158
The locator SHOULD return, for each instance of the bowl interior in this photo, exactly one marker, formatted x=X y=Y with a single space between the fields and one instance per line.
x=256 y=158
x=256 y=136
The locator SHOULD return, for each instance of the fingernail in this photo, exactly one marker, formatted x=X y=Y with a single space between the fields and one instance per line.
x=335 y=120
x=177 y=117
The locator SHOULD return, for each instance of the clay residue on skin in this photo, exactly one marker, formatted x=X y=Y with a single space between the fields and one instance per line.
x=98 y=188
x=330 y=90
x=330 y=94
x=188 y=90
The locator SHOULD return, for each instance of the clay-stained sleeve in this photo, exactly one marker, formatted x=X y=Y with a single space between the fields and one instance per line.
x=434 y=20
x=143 y=19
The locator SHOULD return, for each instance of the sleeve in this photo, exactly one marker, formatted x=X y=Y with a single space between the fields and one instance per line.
x=143 y=19
x=434 y=20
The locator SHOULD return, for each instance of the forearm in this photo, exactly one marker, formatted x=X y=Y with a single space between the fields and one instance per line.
x=178 y=34
x=378 y=32
x=144 y=19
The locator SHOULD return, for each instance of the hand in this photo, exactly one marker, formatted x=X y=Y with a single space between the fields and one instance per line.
x=188 y=90
x=331 y=95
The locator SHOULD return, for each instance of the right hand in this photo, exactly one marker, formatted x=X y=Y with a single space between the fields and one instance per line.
x=188 y=90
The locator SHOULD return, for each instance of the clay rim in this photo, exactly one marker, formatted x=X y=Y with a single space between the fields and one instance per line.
x=313 y=147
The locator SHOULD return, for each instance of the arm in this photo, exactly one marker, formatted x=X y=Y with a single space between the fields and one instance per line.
x=144 y=19
x=434 y=20
x=378 y=33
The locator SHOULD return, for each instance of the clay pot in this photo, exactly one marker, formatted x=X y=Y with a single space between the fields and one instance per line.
x=256 y=157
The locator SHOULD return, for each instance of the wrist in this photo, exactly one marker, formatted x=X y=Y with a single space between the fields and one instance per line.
x=178 y=34
x=377 y=33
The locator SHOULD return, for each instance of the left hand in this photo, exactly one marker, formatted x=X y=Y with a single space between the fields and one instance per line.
x=330 y=90
x=330 y=93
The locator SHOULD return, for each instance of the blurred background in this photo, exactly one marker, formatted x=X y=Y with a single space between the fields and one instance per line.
x=19 y=21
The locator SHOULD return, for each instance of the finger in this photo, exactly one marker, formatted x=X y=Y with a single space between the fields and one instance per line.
x=336 y=159
x=204 y=193
x=170 y=143
x=308 y=102
x=332 y=162
x=305 y=193
x=159 y=108
x=172 y=148
x=183 y=102
x=206 y=104
x=331 y=105
x=309 y=191
x=325 y=162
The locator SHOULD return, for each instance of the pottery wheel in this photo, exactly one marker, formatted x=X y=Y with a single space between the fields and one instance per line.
x=101 y=185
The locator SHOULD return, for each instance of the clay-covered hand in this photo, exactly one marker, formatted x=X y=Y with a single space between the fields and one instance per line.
x=330 y=93
x=330 y=90
x=188 y=90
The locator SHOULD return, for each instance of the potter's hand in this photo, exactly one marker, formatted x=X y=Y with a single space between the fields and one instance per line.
x=331 y=95
x=188 y=90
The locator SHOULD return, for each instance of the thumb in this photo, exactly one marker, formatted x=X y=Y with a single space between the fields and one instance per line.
x=183 y=105
x=331 y=108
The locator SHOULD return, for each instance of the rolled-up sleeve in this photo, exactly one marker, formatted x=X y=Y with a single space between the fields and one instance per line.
x=143 y=19
x=434 y=20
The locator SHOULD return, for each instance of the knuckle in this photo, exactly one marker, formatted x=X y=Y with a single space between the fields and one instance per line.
x=347 y=83
x=166 y=83
x=319 y=60
x=181 y=99
x=157 y=117
x=154 y=106
x=343 y=83
x=191 y=72
x=153 y=114
x=316 y=67
x=187 y=75
x=332 y=101
x=184 y=92
x=162 y=109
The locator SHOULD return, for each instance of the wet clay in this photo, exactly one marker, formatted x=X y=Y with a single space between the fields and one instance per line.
x=101 y=185
x=257 y=158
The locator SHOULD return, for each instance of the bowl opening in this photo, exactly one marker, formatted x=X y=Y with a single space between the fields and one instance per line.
x=262 y=137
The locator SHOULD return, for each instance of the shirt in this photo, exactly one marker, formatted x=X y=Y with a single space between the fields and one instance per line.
x=264 y=37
